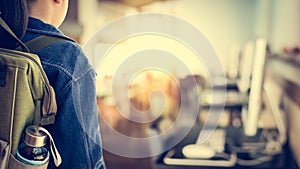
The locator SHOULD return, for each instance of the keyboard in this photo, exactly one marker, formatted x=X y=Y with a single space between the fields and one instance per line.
x=230 y=98
x=216 y=141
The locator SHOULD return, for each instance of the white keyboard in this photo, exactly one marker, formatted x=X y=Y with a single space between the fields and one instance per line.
x=216 y=141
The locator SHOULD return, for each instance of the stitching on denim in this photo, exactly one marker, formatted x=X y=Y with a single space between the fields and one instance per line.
x=100 y=163
x=66 y=72
x=86 y=146
x=84 y=72
x=64 y=90
x=71 y=83
x=70 y=75
x=58 y=66
x=88 y=156
x=75 y=79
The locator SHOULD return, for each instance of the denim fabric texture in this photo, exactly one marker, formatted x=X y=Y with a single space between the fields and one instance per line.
x=76 y=131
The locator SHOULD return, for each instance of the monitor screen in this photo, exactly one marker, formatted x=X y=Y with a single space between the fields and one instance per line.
x=251 y=112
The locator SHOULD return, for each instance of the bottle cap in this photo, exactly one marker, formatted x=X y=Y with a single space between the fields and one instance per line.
x=34 y=137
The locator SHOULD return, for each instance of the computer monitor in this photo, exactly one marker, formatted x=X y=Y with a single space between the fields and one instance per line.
x=245 y=71
x=234 y=60
x=251 y=111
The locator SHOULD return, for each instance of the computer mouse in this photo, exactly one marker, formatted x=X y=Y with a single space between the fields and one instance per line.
x=197 y=151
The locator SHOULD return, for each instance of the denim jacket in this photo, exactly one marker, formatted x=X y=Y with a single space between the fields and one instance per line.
x=76 y=130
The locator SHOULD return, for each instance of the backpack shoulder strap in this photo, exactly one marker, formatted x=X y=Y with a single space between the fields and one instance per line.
x=43 y=41
x=11 y=33
x=49 y=103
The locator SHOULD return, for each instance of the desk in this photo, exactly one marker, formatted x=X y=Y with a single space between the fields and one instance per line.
x=282 y=161
x=285 y=70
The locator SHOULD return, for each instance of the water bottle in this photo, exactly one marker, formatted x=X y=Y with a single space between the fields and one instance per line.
x=33 y=150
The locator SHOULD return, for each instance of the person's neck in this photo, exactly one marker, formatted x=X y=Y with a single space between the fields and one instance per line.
x=42 y=12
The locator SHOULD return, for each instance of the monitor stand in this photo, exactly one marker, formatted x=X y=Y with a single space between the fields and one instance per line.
x=240 y=140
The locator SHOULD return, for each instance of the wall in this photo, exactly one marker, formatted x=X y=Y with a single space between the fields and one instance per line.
x=227 y=24
x=224 y=23
x=285 y=24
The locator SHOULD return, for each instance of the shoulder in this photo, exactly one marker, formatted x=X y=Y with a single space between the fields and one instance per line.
x=63 y=57
x=68 y=56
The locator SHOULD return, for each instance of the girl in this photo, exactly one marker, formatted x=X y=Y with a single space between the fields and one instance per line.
x=76 y=130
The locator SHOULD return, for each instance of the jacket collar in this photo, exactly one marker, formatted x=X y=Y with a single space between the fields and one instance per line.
x=37 y=26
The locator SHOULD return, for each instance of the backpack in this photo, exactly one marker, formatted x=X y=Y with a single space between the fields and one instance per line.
x=26 y=97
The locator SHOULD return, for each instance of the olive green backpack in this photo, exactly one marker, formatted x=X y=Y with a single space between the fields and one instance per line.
x=26 y=96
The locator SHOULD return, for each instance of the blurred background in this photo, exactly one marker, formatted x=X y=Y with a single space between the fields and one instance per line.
x=229 y=25
x=224 y=23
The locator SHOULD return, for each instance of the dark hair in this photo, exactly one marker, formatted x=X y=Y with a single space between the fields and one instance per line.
x=15 y=14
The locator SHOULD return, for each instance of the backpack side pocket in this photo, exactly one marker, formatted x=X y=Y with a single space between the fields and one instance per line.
x=16 y=164
x=4 y=154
